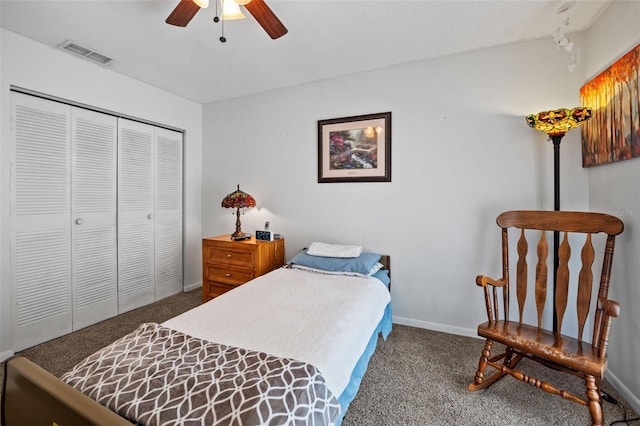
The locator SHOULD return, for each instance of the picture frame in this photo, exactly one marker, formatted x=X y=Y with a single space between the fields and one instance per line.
x=613 y=133
x=355 y=149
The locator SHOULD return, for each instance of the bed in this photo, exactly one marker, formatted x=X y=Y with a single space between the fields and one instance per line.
x=289 y=347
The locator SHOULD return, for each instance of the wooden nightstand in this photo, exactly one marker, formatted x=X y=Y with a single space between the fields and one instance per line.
x=226 y=264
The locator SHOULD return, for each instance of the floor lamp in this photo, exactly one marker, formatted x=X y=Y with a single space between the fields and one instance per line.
x=556 y=124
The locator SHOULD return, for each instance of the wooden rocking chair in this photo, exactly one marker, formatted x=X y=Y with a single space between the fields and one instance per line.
x=551 y=348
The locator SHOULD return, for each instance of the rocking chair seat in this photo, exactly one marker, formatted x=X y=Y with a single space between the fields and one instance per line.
x=544 y=344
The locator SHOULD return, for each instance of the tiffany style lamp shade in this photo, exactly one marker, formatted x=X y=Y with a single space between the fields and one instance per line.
x=555 y=124
x=239 y=200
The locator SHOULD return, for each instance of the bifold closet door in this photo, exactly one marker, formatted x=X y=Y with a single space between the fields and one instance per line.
x=168 y=213
x=95 y=217
x=149 y=214
x=136 y=259
x=93 y=199
x=63 y=218
x=40 y=220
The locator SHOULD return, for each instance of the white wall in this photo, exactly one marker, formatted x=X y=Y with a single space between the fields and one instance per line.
x=613 y=188
x=461 y=153
x=37 y=67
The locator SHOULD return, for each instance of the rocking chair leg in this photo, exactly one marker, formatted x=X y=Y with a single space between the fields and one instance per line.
x=480 y=382
x=594 y=403
x=508 y=357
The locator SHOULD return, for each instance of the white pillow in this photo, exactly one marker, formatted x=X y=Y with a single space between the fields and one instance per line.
x=333 y=250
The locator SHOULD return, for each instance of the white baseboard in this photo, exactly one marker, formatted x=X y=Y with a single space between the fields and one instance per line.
x=624 y=391
x=436 y=326
x=192 y=286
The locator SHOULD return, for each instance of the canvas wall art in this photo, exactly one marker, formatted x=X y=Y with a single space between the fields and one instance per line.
x=613 y=133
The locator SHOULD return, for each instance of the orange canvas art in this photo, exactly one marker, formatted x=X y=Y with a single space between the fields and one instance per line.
x=613 y=133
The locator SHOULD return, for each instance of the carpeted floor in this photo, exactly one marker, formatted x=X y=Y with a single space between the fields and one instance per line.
x=420 y=377
x=416 y=377
x=59 y=355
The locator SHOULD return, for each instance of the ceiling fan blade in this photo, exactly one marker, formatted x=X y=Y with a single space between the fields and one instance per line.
x=266 y=18
x=183 y=13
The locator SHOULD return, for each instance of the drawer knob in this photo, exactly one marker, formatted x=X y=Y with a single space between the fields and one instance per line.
x=228 y=274
x=229 y=256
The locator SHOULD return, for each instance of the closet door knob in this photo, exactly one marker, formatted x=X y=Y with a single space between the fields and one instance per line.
x=149 y=216
x=79 y=221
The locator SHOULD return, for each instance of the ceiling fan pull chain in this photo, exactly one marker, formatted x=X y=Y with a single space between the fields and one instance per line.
x=222 y=39
x=217 y=19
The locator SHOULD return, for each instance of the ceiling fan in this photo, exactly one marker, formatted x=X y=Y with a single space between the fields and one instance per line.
x=186 y=10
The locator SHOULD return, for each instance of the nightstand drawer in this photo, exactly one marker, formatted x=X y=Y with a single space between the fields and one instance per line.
x=216 y=289
x=230 y=257
x=228 y=274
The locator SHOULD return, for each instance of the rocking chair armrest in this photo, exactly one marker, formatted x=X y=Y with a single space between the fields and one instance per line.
x=611 y=308
x=483 y=280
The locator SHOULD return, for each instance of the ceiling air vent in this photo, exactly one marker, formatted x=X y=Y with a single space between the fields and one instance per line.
x=85 y=52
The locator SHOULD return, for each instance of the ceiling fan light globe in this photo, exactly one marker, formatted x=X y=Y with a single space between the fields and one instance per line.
x=242 y=2
x=231 y=10
x=202 y=3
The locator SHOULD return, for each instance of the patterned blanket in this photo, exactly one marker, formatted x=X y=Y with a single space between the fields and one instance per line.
x=159 y=376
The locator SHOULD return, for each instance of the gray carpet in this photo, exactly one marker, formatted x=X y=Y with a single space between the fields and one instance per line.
x=415 y=377
x=420 y=377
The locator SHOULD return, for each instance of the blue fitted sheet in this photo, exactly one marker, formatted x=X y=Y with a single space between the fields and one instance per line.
x=384 y=328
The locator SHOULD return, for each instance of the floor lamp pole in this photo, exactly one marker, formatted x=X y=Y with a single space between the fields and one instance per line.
x=556 y=206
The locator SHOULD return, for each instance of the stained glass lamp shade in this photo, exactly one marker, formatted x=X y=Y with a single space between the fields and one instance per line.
x=555 y=124
x=559 y=121
x=239 y=200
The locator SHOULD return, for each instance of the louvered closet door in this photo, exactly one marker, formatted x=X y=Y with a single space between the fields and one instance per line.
x=136 y=269
x=93 y=195
x=40 y=220
x=168 y=213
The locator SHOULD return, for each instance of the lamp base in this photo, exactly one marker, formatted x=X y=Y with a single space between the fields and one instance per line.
x=240 y=236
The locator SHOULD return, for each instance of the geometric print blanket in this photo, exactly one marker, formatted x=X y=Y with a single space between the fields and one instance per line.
x=159 y=376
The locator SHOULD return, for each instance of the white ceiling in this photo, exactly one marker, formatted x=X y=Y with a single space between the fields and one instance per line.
x=325 y=39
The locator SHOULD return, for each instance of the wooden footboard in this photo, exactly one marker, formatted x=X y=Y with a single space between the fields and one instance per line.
x=33 y=396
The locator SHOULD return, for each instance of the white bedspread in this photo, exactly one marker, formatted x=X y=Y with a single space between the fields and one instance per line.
x=325 y=320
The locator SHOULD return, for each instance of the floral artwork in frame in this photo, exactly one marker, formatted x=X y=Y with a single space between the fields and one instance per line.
x=355 y=149
x=613 y=133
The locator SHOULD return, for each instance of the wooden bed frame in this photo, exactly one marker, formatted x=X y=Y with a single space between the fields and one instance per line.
x=33 y=396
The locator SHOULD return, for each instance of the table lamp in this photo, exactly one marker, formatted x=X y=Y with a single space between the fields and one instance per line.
x=238 y=200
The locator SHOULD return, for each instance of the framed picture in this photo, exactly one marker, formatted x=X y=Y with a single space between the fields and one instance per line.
x=355 y=149
x=613 y=133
